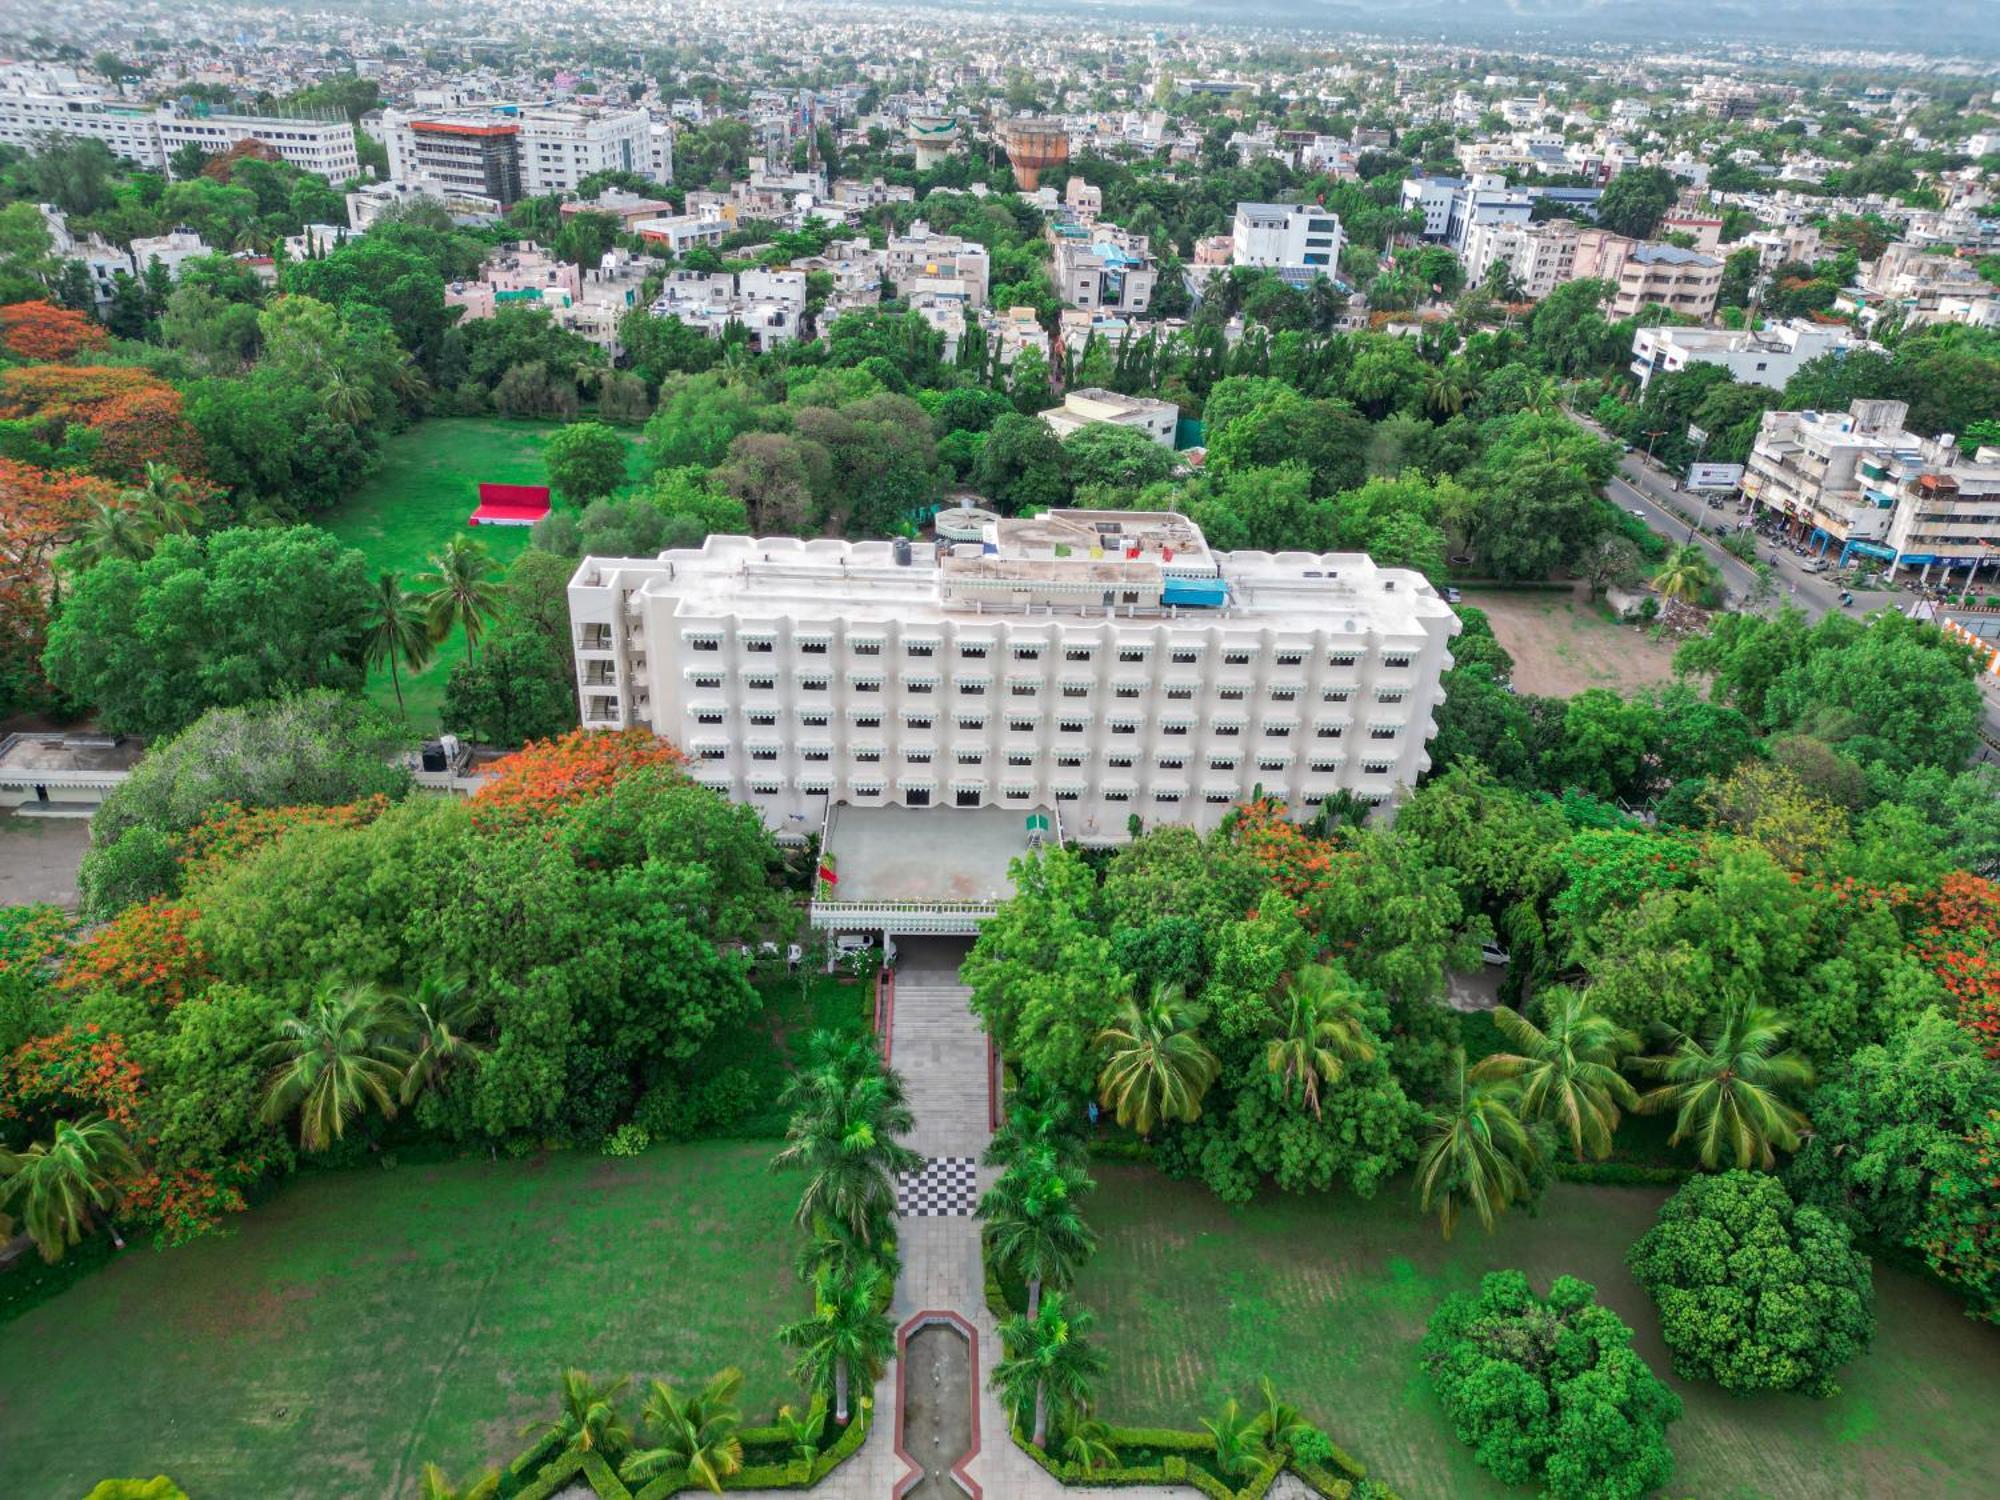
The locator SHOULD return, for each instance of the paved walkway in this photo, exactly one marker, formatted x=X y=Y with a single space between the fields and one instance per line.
x=937 y=1045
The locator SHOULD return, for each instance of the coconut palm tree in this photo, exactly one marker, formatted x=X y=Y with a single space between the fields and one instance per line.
x=696 y=1433
x=437 y=1485
x=62 y=1185
x=590 y=1421
x=1447 y=388
x=844 y=1131
x=165 y=502
x=1319 y=1031
x=847 y=1336
x=1687 y=575
x=331 y=1063
x=438 y=1021
x=1155 y=1066
x=1280 y=1424
x=1567 y=1069
x=1039 y=1117
x=346 y=396
x=1477 y=1152
x=1033 y=1228
x=1727 y=1089
x=112 y=530
x=1239 y=1440
x=1049 y=1359
x=398 y=631
x=459 y=591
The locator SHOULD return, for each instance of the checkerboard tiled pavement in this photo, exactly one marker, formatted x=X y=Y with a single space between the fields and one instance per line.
x=943 y=1187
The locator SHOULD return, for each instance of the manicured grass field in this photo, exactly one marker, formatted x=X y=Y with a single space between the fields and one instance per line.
x=362 y=1322
x=417 y=499
x=1330 y=1295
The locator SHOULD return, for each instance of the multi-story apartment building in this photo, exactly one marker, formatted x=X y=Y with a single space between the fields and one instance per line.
x=38 y=103
x=1858 y=479
x=1770 y=355
x=509 y=151
x=768 y=305
x=1104 y=269
x=1082 y=408
x=1286 y=237
x=1103 y=663
x=1453 y=206
x=1644 y=274
x=921 y=256
x=1540 y=257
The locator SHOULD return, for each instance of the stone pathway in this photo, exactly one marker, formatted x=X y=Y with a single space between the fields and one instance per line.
x=937 y=1045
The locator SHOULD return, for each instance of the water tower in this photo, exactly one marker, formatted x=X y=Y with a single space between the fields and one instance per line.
x=1033 y=146
x=933 y=136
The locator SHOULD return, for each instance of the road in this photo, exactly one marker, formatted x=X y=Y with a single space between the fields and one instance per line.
x=1640 y=487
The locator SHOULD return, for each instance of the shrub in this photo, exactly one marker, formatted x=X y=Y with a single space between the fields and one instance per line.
x=1548 y=1390
x=627 y=1140
x=1755 y=1293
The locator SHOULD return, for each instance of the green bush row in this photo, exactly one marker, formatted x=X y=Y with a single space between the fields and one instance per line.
x=1619 y=1174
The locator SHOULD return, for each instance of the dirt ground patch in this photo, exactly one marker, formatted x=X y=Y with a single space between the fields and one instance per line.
x=1562 y=645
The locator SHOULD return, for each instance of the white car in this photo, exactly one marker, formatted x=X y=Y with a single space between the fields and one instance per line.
x=1638 y=512
x=1493 y=953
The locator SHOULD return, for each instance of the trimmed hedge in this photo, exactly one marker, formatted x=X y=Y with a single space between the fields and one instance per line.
x=1620 y=1174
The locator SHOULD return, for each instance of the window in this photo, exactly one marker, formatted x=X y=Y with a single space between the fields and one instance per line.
x=1290 y=658
x=1067 y=793
x=1284 y=694
x=1382 y=732
x=1121 y=760
x=917 y=721
x=918 y=684
x=763 y=752
x=1021 y=724
x=972 y=722
x=865 y=648
x=813 y=684
x=1277 y=731
x=869 y=755
x=1236 y=658
x=971 y=757
x=1020 y=758
x=921 y=648
x=1024 y=689
x=708 y=716
x=1132 y=654
x=1171 y=762
x=816 y=754
x=972 y=687
x=867 y=684
x=1272 y=762
x=1077 y=653
x=1389 y=695
x=1069 y=759
x=1127 y=690
x=1342 y=659
x=1228 y=730
x=966 y=796
x=917 y=757
x=1376 y=767
x=1336 y=695
x=973 y=650
x=1401 y=659
x=1070 y=726
x=1117 y=794
x=767 y=788
x=1323 y=765
x=1027 y=653
x=916 y=796
x=763 y=718
x=1124 y=726
x=1184 y=656
x=1167 y=794
x=1076 y=690
x=1328 y=731
x=812 y=648
x=759 y=645
x=714 y=752
x=762 y=682
x=707 y=682
x=1222 y=763
x=1219 y=799
x=1180 y=693
x=869 y=719
x=705 y=642
x=815 y=718
x=1230 y=695
x=1174 y=726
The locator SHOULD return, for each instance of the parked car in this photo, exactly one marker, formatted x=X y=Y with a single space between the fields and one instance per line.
x=1452 y=596
x=1493 y=953
x=1638 y=512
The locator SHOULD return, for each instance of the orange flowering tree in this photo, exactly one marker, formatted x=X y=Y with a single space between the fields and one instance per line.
x=1296 y=862
x=235 y=833
x=40 y=512
x=546 y=775
x=1958 y=937
x=41 y=330
x=76 y=1070
x=135 y=414
x=150 y=951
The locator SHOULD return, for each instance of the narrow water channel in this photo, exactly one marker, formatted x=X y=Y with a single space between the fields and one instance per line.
x=937 y=1408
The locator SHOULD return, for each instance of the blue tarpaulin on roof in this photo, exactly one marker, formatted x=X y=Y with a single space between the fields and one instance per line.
x=1208 y=593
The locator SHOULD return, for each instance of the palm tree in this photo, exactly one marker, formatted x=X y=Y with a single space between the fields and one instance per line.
x=398 y=631
x=1049 y=1358
x=590 y=1421
x=164 y=502
x=1033 y=1228
x=1320 y=1031
x=1448 y=388
x=1477 y=1152
x=438 y=1486
x=438 y=1019
x=847 y=1335
x=1567 y=1071
x=1727 y=1089
x=804 y=1430
x=1280 y=1424
x=1238 y=1434
x=843 y=1131
x=1086 y=1443
x=346 y=397
x=112 y=530
x=1155 y=1067
x=1687 y=575
x=332 y=1062
x=460 y=591
x=1039 y=1117
x=62 y=1185
x=697 y=1433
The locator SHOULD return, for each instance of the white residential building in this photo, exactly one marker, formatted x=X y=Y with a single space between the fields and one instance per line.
x=1286 y=237
x=677 y=234
x=767 y=304
x=1540 y=257
x=1103 y=663
x=511 y=151
x=1082 y=408
x=1105 y=269
x=1452 y=206
x=368 y=203
x=1767 y=356
x=921 y=255
x=37 y=102
x=1860 y=481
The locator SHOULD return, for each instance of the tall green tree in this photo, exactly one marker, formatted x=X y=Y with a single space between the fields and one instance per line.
x=1049 y=1361
x=330 y=1064
x=460 y=592
x=1567 y=1069
x=1320 y=1028
x=1727 y=1090
x=1156 y=1066
x=399 y=631
x=590 y=1421
x=1476 y=1152
x=847 y=1337
x=846 y=1117
x=61 y=1186
x=1034 y=1228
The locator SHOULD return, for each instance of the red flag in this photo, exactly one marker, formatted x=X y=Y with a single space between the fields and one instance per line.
x=828 y=876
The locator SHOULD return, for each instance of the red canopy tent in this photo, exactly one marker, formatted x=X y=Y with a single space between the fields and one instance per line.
x=510 y=505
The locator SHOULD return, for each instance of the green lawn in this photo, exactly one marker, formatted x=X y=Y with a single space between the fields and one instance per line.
x=418 y=498
x=362 y=1322
x=1329 y=1295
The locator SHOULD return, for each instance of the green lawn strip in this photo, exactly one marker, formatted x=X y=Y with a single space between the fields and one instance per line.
x=362 y=1322
x=1329 y=1295
x=417 y=499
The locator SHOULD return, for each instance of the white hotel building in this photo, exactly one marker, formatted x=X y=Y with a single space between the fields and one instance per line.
x=1096 y=663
